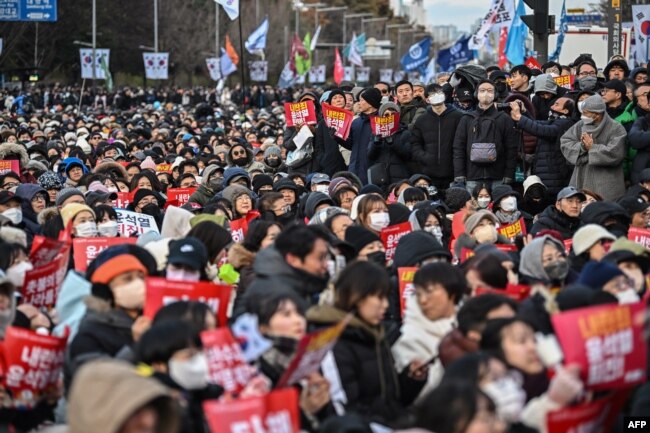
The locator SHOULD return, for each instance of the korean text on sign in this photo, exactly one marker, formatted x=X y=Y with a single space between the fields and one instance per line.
x=390 y=237
x=384 y=126
x=130 y=223
x=226 y=364
x=300 y=113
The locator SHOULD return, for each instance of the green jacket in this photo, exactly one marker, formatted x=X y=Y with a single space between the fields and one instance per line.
x=626 y=119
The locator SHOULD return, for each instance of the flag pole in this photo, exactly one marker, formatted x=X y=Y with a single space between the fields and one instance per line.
x=243 y=63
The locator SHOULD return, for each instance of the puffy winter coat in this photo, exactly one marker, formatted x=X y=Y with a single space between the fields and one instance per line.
x=553 y=219
x=326 y=150
x=358 y=142
x=392 y=152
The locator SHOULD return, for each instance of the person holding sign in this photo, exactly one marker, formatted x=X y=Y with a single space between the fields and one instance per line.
x=326 y=148
x=387 y=156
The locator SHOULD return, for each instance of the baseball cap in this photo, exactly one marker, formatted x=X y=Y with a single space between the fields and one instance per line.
x=616 y=85
x=189 y=252
x=570 y=191
x=633 y=204
x=320 y=178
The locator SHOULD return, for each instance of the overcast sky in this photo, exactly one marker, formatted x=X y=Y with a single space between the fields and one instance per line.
x=463 y=13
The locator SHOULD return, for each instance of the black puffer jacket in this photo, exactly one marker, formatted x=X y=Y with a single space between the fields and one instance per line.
x=364 y=366
x=326 y=150
x=506 y=142
x=393 y=152
x=432 y=141
x=553 y=219
x=639 y=138
x=549 y=163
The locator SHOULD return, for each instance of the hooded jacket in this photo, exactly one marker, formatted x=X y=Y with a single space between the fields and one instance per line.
x=393 y=153
x=16 y=150
x=204 y=192
x=111 y=169
x=250 y=165
x=420 y=340
x=326 y=150
x=26 y=192
x=358 y=142
x=553 y=219
x=362 y=373
x=432 y=142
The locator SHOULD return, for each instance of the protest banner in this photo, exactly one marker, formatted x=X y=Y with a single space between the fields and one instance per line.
x=384 y=126
x=639 y=236
x=300 y=113
x=180 y=195
x=32 y=365
x=565 y=81
x=41 y=285
x=532 y=63
x=227 y=366
x=164 y=168
x=275 y=412
x=123 y=200
x=593 y=416
x=607 y=342
x=405 y=277
x=310 y=353
x=518 y=292
x=130 y=223
x=239 y=227
x=339 y=119
x=465 y=254
x=7 y=165
x=44 y=250
x=511 y=231
x=390 y=237
x=161 y=291
x=86 y=249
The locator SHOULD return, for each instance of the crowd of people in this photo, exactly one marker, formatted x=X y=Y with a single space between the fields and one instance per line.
x=477 y=150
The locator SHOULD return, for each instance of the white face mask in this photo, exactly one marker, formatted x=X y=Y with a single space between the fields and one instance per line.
x=435 y=231
x=15 y=215
x=379 y=221
x=130 y=295
x=183 y=275
x=16 y=273
x=437 y=99
x=509 y=204
x=112 y=189
x=483 y=202
x=108 y=229
x=586 y=120
x=629 y=296
x=580 y=105
x=191 y=374
x=508 y=396
x=323 y=188
x=86 y=230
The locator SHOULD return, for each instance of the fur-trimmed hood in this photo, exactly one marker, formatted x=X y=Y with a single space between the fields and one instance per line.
x=239 y=256
x=47 y=214
x=7 y=149
x=110 y=169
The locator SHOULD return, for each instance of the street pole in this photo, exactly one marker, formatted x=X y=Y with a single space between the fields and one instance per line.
x=36 y=47
x=286 y=44
x=216 y=30
x=94 y=19
x=155 y=25
x=297 y=23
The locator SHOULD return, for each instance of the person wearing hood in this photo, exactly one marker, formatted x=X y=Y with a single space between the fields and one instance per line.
x=506 y=205
x=388 y=156
x=326 y=147
x=616 y=69
x=362 y=360
x=242 y=156
x=546 y=91
x=113 y=317
x=17 y=152
x=431 y=219
x=148 y=202
x=610 y=279
x=480 y=228
x=596 y=147
x=297 y=261
x=563 y=216
x=289 y=191
x=34 y=200
x=236 y=175
x=638 y=135
x=430 y=314
x=361 y=133
x=73 y=171
x=11 y=218
x=432 y=139
x=210 y=184
x=240 y=199
x=273 y=160
x=536 y=196
x=315 y=202
x=612 y=216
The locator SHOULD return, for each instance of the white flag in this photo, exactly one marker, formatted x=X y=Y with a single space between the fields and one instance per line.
x=258 y=70
x=641 y=17
x=386 y=75
x=86 y=56
x=354 y=56
x=431 y=71
x=314 y=39
x=156 y=65
x=317 y=74
x=348 y=73
x=363 y=74
x=231 y=7
x=214 y=67
x=477 y=40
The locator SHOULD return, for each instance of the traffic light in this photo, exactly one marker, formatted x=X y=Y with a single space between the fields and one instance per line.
x=540 y=22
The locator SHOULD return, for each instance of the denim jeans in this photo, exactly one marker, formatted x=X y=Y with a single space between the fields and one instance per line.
x=471 y=184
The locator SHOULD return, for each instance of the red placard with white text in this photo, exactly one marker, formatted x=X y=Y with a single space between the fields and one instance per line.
x=565 y=81
x=182 y=195
x=511 y=231
x=607 y=342
x=300 y=113
x=594 y=416
x=161 y=292
x=532 y=63
x=44 y=250
x=7 y=165
x=226 y=364
x=123 y=200
x=275 y=412
x=390 y=237
x=338 y=118
x=86 y=249
x=239 y=227
x=384 y=126
x=639 y=236
x=32 y=364
x=406 y=289
x=42 y=284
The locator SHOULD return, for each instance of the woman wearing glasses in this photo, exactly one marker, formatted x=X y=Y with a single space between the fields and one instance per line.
x=34 y=200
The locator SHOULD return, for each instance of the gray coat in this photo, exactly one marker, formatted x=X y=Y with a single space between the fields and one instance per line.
x=601 y=168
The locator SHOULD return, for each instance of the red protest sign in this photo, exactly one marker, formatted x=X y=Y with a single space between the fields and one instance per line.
x=532 y=63
x=639 y=236
x=164 y=168
x=384 y=126
x=274 y=412
x=86 y=249
x=44 y=250
x=406 y=289
x=594 y=416
x=338 y=118
x=390 y=237
x=518 y=292
x=32 y=364
x=310 y=353
x=123 y=200
x=226 y=364
x=239 y=227
x=9 y=165
x=42 y=284
x=300 y=113
x=181 y=195
x=511 y=231
x=466 y=254
x=568 y=243
x=565 y=81
x=161 y=292
x=606 y=341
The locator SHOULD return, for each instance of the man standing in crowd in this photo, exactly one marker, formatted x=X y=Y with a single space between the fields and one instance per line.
x=410 y=108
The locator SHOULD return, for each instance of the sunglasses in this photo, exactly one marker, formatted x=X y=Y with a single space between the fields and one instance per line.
x=242 y=153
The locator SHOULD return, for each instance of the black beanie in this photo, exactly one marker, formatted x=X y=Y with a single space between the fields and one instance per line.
x=261 y=180
x=398 y=213
x=359 y=237
x=333 y=93
x=373 y=97
x=456 y=197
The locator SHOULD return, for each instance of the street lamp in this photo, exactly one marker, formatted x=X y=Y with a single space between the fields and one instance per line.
x=299 y=6
x=316 y=11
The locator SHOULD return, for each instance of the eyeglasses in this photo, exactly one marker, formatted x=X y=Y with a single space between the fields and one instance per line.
x=587 y=73
x=37 y=198
x=10 y=185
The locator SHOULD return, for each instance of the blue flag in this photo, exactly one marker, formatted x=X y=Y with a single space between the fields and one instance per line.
x=227 y=66
x=256 y=42
x=457 y=54
x=516 y=43
x=564 y=26
x=417 y=55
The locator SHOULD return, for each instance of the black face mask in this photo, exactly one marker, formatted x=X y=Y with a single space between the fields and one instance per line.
x=552 y=115
x=240 y=161
x=151 y=209
x=286 y=218
x=378 y=257
x=501 y=88
x=215 y=184
x=275 y=162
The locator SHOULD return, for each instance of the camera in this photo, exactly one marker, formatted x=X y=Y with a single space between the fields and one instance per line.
x=503 y=106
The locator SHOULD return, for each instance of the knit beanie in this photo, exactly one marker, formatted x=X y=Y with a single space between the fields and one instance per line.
x=594 y=104
x=474 y=219
x=273 y=151
x=373 y=97
x=50 y=180
x=148 y=164
x=359 y=237
x=597 y=274
x=71 y=210
x=65 y=194
x=261 y=180
x=336 y=183
x=456 y=198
